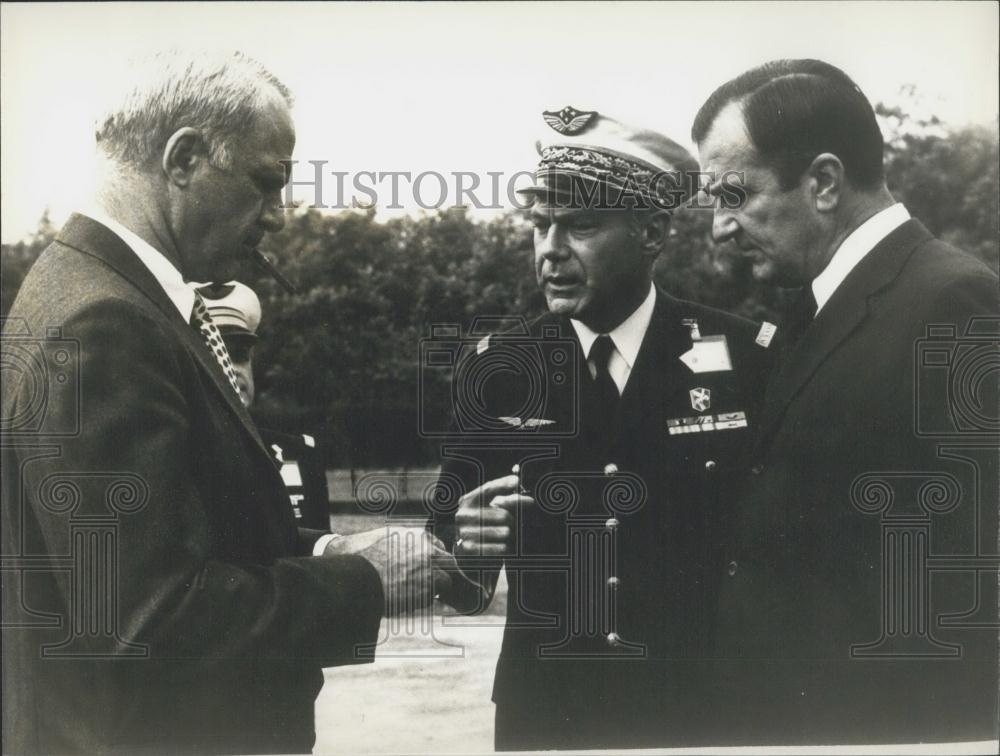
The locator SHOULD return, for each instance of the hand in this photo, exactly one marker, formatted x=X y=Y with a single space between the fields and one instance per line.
x=484 y=522
x=413 y=564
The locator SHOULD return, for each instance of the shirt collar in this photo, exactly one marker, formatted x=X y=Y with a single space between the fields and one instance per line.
x=853 y=249
x=169 y=278
x=628 y=336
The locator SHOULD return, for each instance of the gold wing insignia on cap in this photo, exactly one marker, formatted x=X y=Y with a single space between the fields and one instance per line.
x=568 y=120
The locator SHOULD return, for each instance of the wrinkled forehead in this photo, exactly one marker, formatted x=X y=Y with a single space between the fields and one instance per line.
x=272 y=137
x=555 y=209
x=727 y=144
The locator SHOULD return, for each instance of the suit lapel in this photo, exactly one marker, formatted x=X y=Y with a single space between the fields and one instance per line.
x=842 y=315
x=95 y=239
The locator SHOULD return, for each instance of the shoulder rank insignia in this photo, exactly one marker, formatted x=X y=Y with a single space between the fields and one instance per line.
x=766 y=333
x=530 y=422
x=569 y=120
x=701 y=399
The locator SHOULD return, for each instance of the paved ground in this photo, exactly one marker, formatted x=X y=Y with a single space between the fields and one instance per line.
x=428 y=690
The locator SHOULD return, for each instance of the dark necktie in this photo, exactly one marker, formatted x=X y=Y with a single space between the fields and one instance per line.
x=202 y=320
x=607 y=392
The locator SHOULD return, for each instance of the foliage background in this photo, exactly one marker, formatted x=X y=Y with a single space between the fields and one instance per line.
x=340 y=360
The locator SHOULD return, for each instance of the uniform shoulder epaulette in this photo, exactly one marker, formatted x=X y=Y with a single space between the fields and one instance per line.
x=765 y=334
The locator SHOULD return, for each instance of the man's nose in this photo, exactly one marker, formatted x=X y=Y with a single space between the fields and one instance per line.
x=551 y=244
x=724 y=224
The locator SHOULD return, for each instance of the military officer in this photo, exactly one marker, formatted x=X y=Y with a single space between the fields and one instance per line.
x=597 y=446
x=235 y=309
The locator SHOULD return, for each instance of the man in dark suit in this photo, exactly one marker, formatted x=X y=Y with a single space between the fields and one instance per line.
x=157 y=594
x=860 y=601
x=626 y=414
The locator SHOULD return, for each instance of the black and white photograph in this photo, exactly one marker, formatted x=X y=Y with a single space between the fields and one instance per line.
x=490 y=377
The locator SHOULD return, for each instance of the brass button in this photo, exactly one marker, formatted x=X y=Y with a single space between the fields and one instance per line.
x=613 y=639
x=731 y=568
x=612 y=523
x=613 y=582
x=709 y=465
x=610 y=469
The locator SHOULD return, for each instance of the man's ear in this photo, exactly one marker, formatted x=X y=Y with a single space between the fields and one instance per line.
x=183 y=153
x=826 y=176
x=655 y=230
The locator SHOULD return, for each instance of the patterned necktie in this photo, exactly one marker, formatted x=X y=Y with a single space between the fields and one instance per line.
x=607 y=392
x=202 y=320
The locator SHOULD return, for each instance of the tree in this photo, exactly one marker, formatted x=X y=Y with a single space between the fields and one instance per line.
x=341 y=359
x=16 y=259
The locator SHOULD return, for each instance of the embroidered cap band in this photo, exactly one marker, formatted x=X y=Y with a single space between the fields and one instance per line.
x=592 y=160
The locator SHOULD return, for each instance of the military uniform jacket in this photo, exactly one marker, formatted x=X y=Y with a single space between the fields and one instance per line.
x=609 y=591
x=859 y=599
x=156 y=593
x=304 y=475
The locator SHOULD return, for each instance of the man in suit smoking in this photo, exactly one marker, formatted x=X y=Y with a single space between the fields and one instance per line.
x=831 y=625
x=202 y=617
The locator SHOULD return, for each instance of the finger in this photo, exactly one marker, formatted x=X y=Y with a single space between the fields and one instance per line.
x=491 y=488
x=496 y=534
x=492 y=549
x=479 y=517
x=475 y=547
x=512 y=502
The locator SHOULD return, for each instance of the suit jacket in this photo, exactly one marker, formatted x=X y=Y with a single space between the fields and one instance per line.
x=156 y=598
x=611 y=583
x=859 y=599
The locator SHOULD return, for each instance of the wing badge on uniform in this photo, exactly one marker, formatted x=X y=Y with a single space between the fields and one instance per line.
x=529 y=422
x=701 y=399
x=569 y=120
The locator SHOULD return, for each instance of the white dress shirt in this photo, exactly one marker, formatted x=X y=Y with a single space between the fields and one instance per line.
x=169 y=278
x=627 y=338
x=853 y=249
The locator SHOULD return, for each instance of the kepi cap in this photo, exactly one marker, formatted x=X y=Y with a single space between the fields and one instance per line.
x=591 y=158
x=234 y=307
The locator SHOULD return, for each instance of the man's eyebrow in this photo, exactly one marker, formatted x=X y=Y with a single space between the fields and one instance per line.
x=558 y=213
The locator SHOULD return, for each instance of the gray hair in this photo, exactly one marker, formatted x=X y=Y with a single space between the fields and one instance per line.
x=220 y=95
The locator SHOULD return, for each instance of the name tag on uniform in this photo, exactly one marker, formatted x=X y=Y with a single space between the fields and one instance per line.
x=705 y=423
x=290 y=474
x=709 y=354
